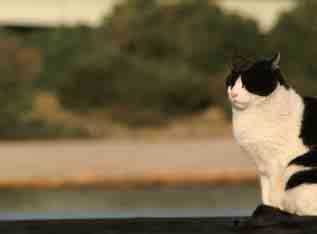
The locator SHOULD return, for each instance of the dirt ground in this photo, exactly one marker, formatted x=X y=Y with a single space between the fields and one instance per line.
x=120 y=163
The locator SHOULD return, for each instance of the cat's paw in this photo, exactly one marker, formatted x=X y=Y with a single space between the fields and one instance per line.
x=263 y=211
x=267 y=215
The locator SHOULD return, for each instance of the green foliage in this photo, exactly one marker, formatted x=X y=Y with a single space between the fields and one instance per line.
x=59 y=47
x=196 y=33
x=18 y=67
x=116 y=82
x=153 y=59
x=148 y=62
x=40 y=129
x=295 y=36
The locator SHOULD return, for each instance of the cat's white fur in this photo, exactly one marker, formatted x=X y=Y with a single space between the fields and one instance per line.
x=268 y=129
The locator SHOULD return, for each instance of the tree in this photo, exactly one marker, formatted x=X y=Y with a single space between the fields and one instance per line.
x=133 y=89
x=295 y=36
x=59 y=47
x=150 y=57
x=18 y=67
x=197 y=33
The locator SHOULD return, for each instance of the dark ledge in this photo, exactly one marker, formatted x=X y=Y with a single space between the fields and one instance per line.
x=264 y=221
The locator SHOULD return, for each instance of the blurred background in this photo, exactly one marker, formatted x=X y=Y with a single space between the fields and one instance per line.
x=118 y=107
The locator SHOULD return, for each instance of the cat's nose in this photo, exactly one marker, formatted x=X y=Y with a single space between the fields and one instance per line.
x=233 y=94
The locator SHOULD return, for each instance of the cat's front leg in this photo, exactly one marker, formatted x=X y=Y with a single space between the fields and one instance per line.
x=265 y=190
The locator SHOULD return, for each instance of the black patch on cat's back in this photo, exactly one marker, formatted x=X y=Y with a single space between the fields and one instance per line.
x=308 y=131
x=302 y=177
x=307 y=160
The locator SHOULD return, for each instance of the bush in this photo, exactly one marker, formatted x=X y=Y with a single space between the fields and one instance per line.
x=295 y=36
x=123 y=84
x=18 y=67
x=196 y=33
x=59 y=47
x=154 y=59
x=149 y=61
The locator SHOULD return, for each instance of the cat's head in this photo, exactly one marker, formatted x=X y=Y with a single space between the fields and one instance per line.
x=250 y=82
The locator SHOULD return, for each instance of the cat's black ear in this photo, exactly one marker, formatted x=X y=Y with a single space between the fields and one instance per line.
x=275 y=61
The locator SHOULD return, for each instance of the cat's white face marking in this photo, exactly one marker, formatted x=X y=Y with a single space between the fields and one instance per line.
x=240 y=97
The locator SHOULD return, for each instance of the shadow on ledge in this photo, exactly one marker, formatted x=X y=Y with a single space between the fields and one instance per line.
x=269 y=220
x=265 y=220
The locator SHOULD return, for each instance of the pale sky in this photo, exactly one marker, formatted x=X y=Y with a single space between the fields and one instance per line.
x=266 y=12
x=54 y=12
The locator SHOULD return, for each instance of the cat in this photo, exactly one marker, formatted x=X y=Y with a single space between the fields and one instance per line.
x=277 y=127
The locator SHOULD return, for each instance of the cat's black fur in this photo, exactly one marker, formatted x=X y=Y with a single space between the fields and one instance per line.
x=309 y=123
x=308 y=134
x=302 y=177
x=258 y=77
x=306 y=160
x=306 y=176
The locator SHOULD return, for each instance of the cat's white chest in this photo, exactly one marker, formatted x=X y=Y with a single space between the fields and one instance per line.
x=257 y=135
x=270 y=133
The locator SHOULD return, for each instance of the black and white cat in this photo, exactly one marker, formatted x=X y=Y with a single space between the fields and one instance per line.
x=278 y=128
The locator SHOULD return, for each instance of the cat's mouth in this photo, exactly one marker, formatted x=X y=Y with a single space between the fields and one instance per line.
x=238 y=105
